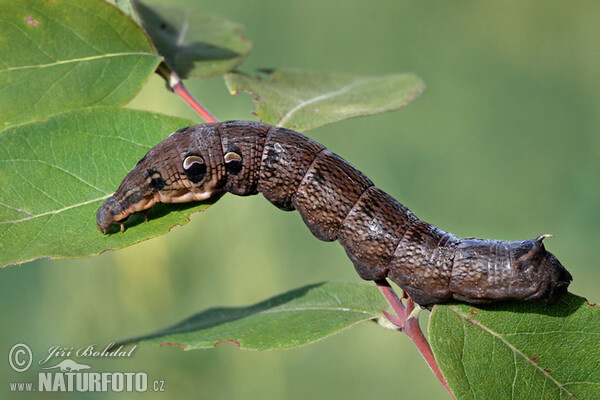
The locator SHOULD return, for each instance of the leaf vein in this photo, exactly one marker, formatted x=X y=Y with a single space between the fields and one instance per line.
x=315 y=99
x=60 y=169
x=53 y=212
x=37 y=188
x=76 y=60
x=514 y=349
x=15 y=209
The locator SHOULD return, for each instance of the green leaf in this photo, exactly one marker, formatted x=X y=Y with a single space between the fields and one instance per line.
x=192 y=43
x=60 y=55
x=127 y=8
x=55 y=174
x=301 y=100
x=290 y=320
x=519 y=350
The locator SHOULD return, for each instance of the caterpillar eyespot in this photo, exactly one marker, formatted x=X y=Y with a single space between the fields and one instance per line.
x=156 y=180
x=233 y=162
x=232 y=157
x=382 y=237
x=195 y=168
x=189 y=161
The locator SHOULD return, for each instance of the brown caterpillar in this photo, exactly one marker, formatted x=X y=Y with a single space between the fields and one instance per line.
x=336 y=201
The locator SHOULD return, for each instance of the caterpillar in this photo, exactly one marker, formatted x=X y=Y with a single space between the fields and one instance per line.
x=382 y=237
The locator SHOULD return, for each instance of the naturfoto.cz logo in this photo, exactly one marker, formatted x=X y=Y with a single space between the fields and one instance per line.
x=69 y=375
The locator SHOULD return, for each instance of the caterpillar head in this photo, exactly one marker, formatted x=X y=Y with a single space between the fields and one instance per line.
x=182 y=168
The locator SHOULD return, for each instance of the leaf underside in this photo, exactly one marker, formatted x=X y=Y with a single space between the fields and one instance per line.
x=290 y=320
x=302 y=100
x=194 y=44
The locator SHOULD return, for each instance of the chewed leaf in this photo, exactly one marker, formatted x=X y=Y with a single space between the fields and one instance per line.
x=57 y=56
x=519 y=350
x=192 y=43
x=292 y=319
x=55 y=174
x=301 y=100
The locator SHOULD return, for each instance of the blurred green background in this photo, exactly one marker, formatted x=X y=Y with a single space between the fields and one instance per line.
x=503 y=144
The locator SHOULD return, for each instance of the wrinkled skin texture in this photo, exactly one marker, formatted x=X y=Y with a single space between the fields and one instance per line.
x=337 y=202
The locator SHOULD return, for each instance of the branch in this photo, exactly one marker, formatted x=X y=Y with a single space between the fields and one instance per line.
x=409 y=324
x=176 y=84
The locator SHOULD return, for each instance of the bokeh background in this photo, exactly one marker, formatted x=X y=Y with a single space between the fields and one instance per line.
x=504 y=143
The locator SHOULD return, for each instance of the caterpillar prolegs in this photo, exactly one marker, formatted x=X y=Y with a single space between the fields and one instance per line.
x=336 y=201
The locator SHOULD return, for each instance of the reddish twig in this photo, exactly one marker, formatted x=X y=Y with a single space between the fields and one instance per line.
x=176 y=84
x=410 y=326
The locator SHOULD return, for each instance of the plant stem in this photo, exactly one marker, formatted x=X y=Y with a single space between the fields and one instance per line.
x=176 y=84
x=410 y=326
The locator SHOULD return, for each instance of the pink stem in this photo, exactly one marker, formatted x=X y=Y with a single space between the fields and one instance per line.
x=176 y=84
x=410 y=326
x=392 y=298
